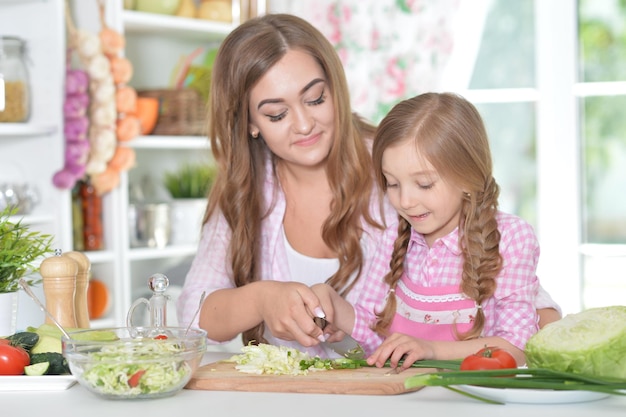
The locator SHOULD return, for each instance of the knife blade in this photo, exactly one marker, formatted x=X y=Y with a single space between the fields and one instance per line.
x=346 y=347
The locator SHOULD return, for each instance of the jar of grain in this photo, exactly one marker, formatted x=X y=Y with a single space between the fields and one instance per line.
x=14 y=75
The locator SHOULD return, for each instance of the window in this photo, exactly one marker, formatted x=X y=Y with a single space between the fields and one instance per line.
x=550 y=80
x=601 y=95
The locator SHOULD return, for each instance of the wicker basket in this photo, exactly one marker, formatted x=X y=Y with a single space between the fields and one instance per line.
x=181 y=112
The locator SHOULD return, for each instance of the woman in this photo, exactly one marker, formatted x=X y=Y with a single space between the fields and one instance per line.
x=294 y=203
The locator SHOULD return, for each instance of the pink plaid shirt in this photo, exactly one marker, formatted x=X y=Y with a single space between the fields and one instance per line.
x=210 y=269
x=510 y=313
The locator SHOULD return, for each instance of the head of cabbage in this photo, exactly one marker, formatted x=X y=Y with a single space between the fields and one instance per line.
x=592 y=342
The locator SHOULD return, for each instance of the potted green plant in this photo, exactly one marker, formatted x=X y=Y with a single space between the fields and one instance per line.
x=20 y=249
x=190 y=181
x=188 y=187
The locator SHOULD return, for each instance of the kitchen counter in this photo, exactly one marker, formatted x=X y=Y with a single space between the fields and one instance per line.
x=429 y=401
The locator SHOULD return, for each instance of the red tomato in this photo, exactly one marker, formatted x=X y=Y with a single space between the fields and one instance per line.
x=13 y=359
x=489 y=358
x=160 y=337
x=133 y=381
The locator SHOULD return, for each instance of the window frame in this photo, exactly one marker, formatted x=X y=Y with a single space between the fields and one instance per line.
x=554 y=96
x=558 y=152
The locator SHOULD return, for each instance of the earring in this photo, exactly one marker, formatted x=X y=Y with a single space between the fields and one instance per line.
x=255 y=134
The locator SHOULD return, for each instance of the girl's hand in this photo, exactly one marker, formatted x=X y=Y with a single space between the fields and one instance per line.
x=288 y=309
x=400 y=346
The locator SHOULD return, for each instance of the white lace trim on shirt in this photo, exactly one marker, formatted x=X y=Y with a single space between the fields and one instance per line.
x=431 y=298
x=460 y=316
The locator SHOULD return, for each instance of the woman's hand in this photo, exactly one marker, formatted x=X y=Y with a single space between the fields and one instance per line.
x=337 y=310
x=288 y=308
x=400 y=346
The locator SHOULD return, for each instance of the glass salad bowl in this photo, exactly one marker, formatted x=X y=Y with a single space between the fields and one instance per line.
x=134 y=362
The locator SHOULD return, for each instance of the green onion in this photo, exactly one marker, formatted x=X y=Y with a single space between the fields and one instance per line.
x=525 y=378
x=345 y=363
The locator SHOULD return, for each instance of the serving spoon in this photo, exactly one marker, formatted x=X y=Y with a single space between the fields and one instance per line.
x=196 y=313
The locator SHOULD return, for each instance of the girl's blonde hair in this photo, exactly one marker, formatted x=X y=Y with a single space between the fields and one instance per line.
x=246 y=54
x=448 y=132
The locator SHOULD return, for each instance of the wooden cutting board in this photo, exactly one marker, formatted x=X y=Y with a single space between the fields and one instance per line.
x=222 y=376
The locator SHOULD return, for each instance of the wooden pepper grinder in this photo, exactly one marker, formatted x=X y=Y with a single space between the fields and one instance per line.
x=81 y=309
x=59 y=287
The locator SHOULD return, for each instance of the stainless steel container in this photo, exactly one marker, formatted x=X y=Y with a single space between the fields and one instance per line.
x=149 y=225
x=22 y=197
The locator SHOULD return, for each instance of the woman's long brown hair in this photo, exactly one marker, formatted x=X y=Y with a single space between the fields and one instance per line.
x=243 y=58
x=449 y=132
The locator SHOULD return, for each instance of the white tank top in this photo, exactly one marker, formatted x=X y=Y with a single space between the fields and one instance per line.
x=306 y=269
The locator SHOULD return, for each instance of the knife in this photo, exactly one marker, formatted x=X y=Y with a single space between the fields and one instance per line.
x=346 y=347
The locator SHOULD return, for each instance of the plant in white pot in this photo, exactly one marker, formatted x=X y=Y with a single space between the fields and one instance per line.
x=20 y=251
x=189 y=187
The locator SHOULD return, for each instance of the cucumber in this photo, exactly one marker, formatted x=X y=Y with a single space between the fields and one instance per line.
x=58 y=363
x=37 y=369
x=25 y=340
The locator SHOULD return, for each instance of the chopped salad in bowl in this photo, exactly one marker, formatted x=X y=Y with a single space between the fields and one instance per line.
x=135 y=363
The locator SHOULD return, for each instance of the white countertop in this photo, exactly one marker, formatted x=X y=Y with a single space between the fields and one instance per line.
x=430 y=401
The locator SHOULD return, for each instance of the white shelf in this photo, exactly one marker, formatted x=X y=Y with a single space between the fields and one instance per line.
x=138 y=254
x=182 y=27
x=100 y=256
x=25 y=129
x=32 y=219
x=170 y=142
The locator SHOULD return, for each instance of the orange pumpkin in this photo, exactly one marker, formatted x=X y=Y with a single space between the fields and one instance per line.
x=97 y=299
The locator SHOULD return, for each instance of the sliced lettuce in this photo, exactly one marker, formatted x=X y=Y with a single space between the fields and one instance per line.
x=270 y=359
x=592 y=342
x=160 y=365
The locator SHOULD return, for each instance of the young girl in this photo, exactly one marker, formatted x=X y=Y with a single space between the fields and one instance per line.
x=462 y=273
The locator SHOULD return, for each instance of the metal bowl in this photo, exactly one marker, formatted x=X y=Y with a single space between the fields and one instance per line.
x=149 y=225
x=19 y=196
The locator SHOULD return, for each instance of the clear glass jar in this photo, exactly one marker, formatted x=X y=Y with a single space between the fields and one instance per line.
x=14 y=74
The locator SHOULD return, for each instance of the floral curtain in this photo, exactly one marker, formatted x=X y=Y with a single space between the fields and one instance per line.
x=391 y=49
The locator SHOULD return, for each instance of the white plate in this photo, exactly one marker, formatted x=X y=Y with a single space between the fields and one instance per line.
x=36 y=383
x=532 y=396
